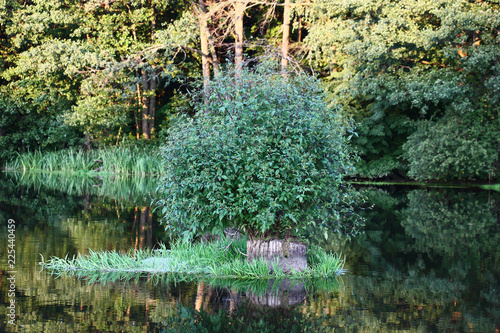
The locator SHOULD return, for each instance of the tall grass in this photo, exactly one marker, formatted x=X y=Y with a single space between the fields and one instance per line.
x=116 y=160
x=216 y=260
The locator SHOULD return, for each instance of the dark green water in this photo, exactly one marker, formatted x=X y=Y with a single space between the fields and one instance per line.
x=429 y=261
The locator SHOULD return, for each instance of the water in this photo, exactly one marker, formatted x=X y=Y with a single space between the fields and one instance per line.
x=428 y=262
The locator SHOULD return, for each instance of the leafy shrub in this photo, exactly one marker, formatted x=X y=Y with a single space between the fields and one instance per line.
x=451 y=151
x=263 y=154
x=379 y=145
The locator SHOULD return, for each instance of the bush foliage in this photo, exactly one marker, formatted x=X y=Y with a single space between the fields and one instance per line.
x=263 y=154
x=452 y=150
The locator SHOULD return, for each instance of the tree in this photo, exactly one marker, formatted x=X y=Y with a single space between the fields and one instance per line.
x=452 y=150
x=94 y=67
x=285 y=45
x=204 y=33
x=391 y=63
x=239 y=32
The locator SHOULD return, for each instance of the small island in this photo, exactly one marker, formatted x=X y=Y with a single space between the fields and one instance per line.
x=265 y=158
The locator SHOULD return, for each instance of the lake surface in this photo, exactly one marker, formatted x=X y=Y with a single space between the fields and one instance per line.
x=428 y=261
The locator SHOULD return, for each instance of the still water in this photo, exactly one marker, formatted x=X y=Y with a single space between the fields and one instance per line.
x=428 y=261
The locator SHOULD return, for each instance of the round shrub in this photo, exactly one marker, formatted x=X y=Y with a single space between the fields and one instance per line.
x=264 y=154
x=451 y=151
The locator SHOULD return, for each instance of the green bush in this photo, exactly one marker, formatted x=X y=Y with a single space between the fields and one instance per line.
x=263 y=154
x=452 y=151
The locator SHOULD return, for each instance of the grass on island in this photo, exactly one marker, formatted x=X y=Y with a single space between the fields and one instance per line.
x=221 y=259
x=115 y=160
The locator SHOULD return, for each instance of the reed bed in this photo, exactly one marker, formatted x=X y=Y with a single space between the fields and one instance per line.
x=116 y=160
x=223 y=259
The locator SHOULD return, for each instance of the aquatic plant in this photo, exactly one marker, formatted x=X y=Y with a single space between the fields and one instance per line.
x=115 y=160
x=221 y=259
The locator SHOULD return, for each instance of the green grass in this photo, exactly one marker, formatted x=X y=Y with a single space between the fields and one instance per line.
x=215 y=260
x=114 y=160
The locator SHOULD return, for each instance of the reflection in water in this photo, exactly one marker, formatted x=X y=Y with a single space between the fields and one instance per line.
x=278 y=307
x=135 y=189
x=143 y=235
x=429 y=258
x=442 y=222
x=428 y=261
x=280 y=293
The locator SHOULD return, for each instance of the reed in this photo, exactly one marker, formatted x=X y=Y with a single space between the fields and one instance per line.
x=223 y=259
x=116 y=160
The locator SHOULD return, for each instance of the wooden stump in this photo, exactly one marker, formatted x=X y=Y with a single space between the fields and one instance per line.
x=288 y=255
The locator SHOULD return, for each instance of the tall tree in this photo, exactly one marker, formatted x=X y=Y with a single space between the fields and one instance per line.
x=393 y=63
x=239 y=32
x=205 y=56
x=285 y=44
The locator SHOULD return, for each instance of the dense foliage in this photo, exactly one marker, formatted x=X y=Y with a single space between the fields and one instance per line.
x=98 y=72
x=394 y=63
x=452 y=150
x=264 y=154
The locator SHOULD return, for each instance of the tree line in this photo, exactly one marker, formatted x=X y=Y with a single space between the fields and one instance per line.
x=419 y=78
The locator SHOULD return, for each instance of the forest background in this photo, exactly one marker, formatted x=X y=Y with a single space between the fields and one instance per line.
x=420 y=79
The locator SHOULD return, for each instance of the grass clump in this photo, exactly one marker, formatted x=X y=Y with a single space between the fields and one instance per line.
x=223 y=259
x=116 y=160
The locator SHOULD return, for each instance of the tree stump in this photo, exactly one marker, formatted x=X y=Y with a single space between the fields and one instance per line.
x=286 y=254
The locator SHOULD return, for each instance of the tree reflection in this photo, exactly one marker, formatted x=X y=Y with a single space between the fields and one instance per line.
x=427 y=258
x=445 y=221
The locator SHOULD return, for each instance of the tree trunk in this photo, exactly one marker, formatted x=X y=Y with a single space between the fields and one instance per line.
x=287 y=255
x=239 y=9
x=145 y=106
x=88 y=141
x=149 y=231
x=152 y=103
x=213 y=52
x=136 y=219
x=285 y=46
x=153 y=24
x=137 y=129
x=199 y=296
x=299 y=37
x=142 y=226
x=205 y=61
